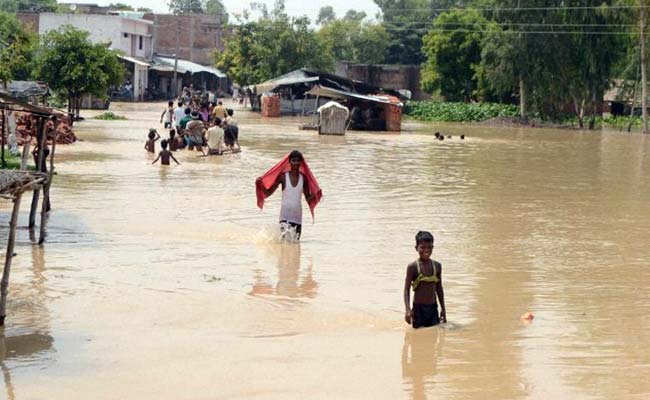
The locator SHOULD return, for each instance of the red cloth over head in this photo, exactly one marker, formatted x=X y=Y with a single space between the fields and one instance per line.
x=270 y=177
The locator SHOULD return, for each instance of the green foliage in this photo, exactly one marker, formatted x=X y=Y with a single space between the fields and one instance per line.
x=186 y=6
x=68 y=62
x=326 y=15
x=458 y=112
x=110 y=116
x=271 y=46
x=14 y=6
x=144 y=10
x=17 y=49
x=120 y=7
x=216 y=7
x=354 y=41
x=353 y=15
x=453 y=51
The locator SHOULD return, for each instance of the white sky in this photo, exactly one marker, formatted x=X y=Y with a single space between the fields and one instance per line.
x=294 y=7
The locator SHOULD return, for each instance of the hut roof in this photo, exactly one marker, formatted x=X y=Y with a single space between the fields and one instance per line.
x=11 y=103
x=304 y=77
x=13 y=182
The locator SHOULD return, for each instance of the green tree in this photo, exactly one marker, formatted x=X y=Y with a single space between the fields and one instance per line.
x=216 y=7
x=120 y=7
x=353 y=15
x=71 y=64
x=453 y=51
x=326 y=15
x=16 y=49
x=270 y=46
x=186 y=6
x=355 y=41
x=28 y=5
x=551 y=71
x=144 y=10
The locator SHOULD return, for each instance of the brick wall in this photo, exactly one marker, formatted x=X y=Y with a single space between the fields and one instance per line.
x=386 y=76
x=199 y=36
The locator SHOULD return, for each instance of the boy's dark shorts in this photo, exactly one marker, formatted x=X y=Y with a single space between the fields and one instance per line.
x=425 y=315
x=168 y=125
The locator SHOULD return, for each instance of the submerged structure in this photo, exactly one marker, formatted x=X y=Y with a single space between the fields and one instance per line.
x=302 y=92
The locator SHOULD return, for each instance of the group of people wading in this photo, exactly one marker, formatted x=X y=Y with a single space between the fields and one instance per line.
x=209 y=128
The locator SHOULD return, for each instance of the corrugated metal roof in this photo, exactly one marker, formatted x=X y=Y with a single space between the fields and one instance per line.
x=185 y=66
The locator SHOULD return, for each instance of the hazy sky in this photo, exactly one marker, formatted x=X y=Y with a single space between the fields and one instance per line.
x=294 y=7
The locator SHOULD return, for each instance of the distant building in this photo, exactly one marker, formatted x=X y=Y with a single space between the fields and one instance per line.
x=396 y=77
x=195 y=36
x=131 y=37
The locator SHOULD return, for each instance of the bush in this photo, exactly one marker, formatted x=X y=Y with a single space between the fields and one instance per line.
x=109 y=116
x=458 y=112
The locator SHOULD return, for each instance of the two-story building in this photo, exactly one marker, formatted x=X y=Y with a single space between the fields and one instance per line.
x=130 y=36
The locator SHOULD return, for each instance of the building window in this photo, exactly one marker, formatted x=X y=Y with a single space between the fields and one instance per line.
x=126 y=35
x=140 y=45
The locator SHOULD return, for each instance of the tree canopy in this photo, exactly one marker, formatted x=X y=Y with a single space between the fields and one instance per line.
x=270 y=46
x=355 y=41
x=69 y=63
x=326 y=15
x=28 y=5
x=16 y=49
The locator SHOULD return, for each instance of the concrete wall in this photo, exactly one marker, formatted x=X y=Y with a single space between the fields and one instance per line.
x=198 y=36
x=122 y=33
x=30 y=21
x=386 y=76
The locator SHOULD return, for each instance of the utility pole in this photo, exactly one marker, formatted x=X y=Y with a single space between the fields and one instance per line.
x=644 y=84
x=175 y=81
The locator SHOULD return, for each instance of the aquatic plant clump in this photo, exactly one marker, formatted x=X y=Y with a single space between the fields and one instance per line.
x=458 y=112
x=110 y=116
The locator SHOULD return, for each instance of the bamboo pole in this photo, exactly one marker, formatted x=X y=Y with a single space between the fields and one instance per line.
x=39 y=163
x=8 y=257
x=45 y=207
x=644 y=99
x=2 y=132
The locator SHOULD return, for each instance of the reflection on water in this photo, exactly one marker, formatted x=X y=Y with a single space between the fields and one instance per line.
x=150 y=272
x=420 y=354
x=291 y=281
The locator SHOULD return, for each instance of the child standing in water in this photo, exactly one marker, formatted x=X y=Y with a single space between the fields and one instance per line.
x=165 y=155
x=424 y=275
x=168 y=115
x=150 y=144
x=296 y=179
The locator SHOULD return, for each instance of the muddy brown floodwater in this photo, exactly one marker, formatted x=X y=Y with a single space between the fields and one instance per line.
x=166 y=282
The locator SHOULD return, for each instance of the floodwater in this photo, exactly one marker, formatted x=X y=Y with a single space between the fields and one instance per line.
x=167 y=283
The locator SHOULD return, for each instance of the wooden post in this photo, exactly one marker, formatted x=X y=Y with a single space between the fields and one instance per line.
x=46 y=186
x=2 y=132
x=304 y=100
x=293 y=107
x=25 y=157
x=8 y=257
x=41 y=127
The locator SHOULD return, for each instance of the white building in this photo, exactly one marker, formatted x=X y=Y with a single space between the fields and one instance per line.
x=132 y=37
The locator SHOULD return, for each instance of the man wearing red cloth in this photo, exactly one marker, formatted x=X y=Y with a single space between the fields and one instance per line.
x=296 y=179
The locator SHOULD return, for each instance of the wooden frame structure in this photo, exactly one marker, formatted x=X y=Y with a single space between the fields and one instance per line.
x=13 y=183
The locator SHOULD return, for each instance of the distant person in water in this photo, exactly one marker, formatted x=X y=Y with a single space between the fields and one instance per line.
x=150 y=144
x=168 y=115
x=296 y=179
x=165 y=155
x=424 y=276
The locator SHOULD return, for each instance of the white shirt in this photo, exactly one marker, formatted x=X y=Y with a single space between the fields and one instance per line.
x=179 y=113
x=215 y=138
